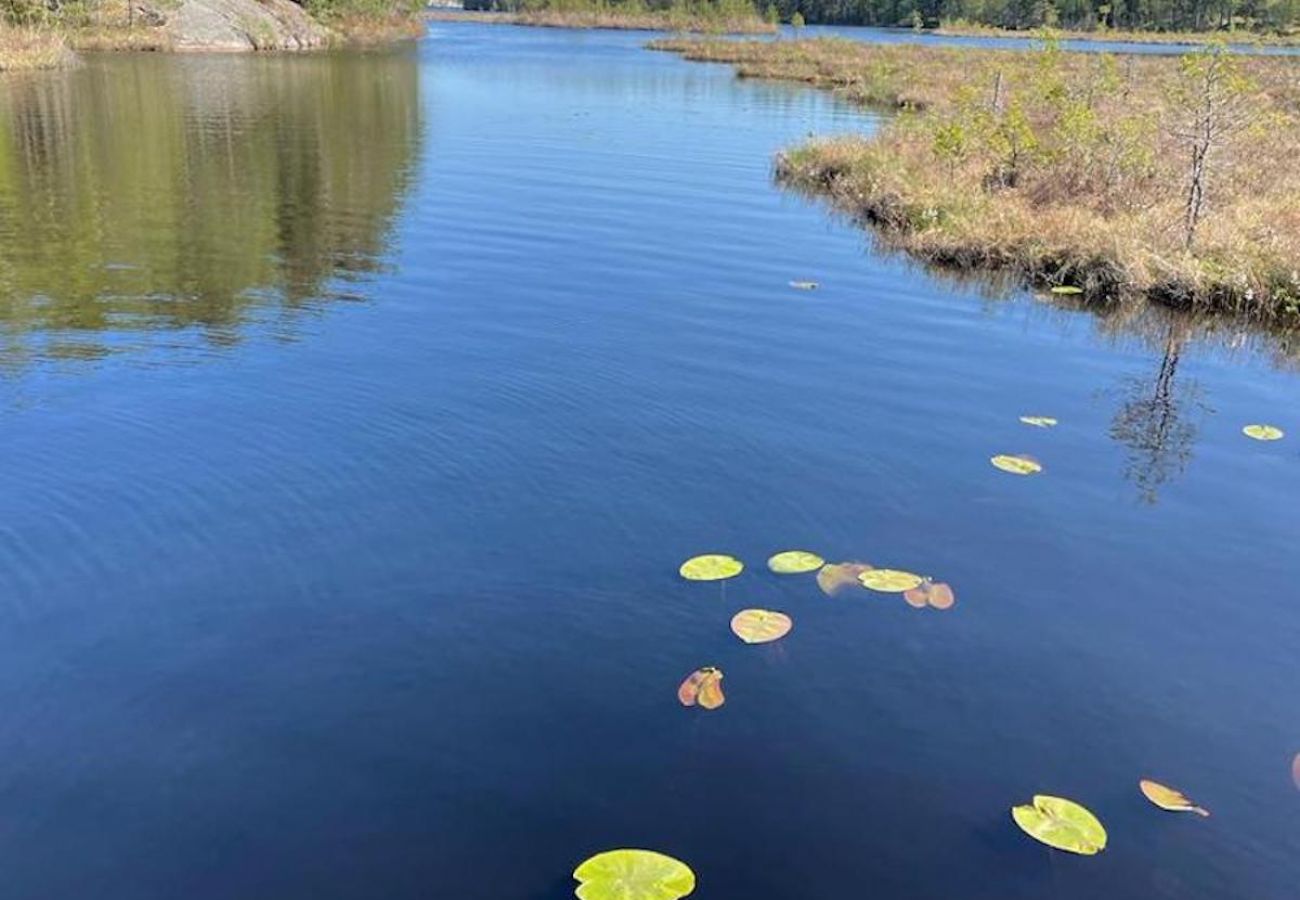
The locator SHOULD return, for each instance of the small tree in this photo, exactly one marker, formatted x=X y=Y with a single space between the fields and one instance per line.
x=1212 y=102
x=951 y=143
x=796 y=21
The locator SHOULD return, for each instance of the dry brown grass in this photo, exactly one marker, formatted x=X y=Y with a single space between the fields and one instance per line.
x=365 y=30
x=109 y=37
x=1062 y=168
x=615 y=19
x=29 y=49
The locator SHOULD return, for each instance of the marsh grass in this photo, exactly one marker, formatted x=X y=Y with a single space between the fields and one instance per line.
x=1061 y=168
x=32 y=48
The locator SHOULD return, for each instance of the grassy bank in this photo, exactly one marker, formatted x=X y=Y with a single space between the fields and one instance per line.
x=1173 y=179
x=1236 y=37
x=368 y=22
x=30 y=49
x=704 y=16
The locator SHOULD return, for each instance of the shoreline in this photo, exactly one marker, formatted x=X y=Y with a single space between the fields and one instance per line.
x=1061 y=170
x=1176 y=38
x=607 y=21
x=202 y=26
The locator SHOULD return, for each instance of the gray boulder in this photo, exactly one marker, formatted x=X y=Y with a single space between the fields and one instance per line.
x=239 y=25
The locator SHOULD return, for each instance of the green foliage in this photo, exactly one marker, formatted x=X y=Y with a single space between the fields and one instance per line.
x=797 y=20
x=951 y=142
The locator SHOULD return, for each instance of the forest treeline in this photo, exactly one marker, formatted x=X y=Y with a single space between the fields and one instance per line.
x=1266 y=16
x=1138 y=15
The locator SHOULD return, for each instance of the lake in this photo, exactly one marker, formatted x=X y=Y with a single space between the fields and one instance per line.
x=359 y=408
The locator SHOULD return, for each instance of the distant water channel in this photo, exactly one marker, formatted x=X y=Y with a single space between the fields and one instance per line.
x=357 y=411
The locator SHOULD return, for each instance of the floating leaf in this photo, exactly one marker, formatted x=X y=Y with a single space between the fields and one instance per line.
x=633 y=875
x=1017 y=465
x=1264 y=432
x=1039 y=421
x=835 y=577
x=711 y=567
x=702 y=687
x=931 y=593
x=1062 y=824
x=795 y=562
x=759 y=626
x=890 y=581
x=1168 y=798
x=1066 y=289
x=804 y=285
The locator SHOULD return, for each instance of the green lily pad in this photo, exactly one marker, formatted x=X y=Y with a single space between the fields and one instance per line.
x=1017 y=464
x=711 y=567
x=795 y=562
x=633 y=875
x=890 y=581
x=1264 y=432
x=1062 y=824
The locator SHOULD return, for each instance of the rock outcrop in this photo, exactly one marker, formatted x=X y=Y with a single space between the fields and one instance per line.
x=239 y=25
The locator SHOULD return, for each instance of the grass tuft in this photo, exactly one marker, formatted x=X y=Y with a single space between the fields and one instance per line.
x=30 y=49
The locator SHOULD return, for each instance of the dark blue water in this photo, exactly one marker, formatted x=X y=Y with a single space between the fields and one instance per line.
x=347 y=480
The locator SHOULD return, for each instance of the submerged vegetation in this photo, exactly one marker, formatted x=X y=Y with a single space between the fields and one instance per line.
x=1166 y=178
x=709 y=16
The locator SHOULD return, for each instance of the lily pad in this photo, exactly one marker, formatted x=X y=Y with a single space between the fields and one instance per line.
x=1264 y=432
x=890 y=581
x=931 y=593
x=804 y=285
x=711 y=567
x=834 y=578
x=703 y=687
x=1066 y=289
x=760 y=626
x=795 y=562
x=1017 y=464
x=1062 y=824
x=633 y=875
x=1169 y=799
x=1039 y=421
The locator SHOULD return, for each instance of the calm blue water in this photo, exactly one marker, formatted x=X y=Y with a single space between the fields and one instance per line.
x=348 y=473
